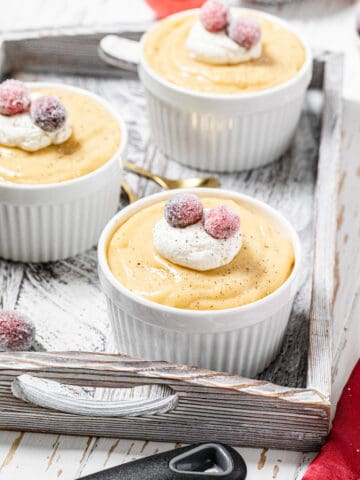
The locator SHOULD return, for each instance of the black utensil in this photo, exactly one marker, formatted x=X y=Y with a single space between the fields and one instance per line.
x=206 y=461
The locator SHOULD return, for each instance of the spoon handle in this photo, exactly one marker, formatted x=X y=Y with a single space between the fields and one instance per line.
x=146 y=173
x=132 y=196
x=120 y=52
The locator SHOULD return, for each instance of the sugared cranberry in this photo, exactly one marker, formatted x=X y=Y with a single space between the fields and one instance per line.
x=48 y=113
x=14 y=97
x=214 y=15
x=244 y=31
x=221 y=222
x=17 y=331
x=183 y=209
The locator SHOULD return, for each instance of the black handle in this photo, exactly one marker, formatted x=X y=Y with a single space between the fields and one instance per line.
x=197 y=462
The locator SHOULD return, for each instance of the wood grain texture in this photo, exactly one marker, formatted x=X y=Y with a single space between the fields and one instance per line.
x=323 y=282
x=250 y=412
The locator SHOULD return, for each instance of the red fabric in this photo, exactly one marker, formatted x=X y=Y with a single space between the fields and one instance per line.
x=339 y=458
x=163 y=8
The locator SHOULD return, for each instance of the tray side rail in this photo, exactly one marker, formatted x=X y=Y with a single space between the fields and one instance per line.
x=250 y=412
x=323 y=282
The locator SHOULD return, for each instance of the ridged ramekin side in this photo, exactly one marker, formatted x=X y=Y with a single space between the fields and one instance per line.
x=246 y=351
x=53 y=231
x=223 y=143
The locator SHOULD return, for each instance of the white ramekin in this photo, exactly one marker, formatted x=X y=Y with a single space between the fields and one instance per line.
x=224 y=133
x=243 y=340
x=41 y=223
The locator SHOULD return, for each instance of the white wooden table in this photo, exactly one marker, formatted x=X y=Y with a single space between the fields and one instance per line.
x=327 y=24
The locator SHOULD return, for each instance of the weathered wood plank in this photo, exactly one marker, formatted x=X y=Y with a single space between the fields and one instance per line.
x=251 y=412
x=110 y=368
x=323 y=284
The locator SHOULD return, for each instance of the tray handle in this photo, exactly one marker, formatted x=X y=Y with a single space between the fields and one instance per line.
x=99 y=402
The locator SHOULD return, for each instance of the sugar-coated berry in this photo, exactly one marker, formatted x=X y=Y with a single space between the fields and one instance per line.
x=221 y=222
x=244 y=31
x=17 y=331
x=214 y=15
x=183 y=209
x=48 y=113
x=14 y=97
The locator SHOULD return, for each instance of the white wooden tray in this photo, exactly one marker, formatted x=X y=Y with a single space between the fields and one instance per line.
x=288 y=405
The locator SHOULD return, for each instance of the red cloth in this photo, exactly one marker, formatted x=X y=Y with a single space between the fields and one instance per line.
x=163 y=8
x=339 y=458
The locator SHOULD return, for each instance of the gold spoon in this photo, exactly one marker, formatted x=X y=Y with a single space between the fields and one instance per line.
x=169 y=184
x=132 y=196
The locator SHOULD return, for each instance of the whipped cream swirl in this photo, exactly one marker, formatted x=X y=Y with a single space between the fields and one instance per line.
x=218 y=48
x=193 y=247
x=20 y=131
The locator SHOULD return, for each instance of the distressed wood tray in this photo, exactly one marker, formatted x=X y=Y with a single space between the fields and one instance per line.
x=288 y=405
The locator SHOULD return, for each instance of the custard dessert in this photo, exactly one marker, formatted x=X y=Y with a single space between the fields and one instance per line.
x=231 y=53
x=200 y=253
x=50 y=135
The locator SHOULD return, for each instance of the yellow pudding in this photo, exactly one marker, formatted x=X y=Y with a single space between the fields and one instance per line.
x=96 y=137
x=283 y=55
x=264 y=262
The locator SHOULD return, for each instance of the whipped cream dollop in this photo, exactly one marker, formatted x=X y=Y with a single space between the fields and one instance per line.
x=193 y=247
x=20 y=131
x=218 y=48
